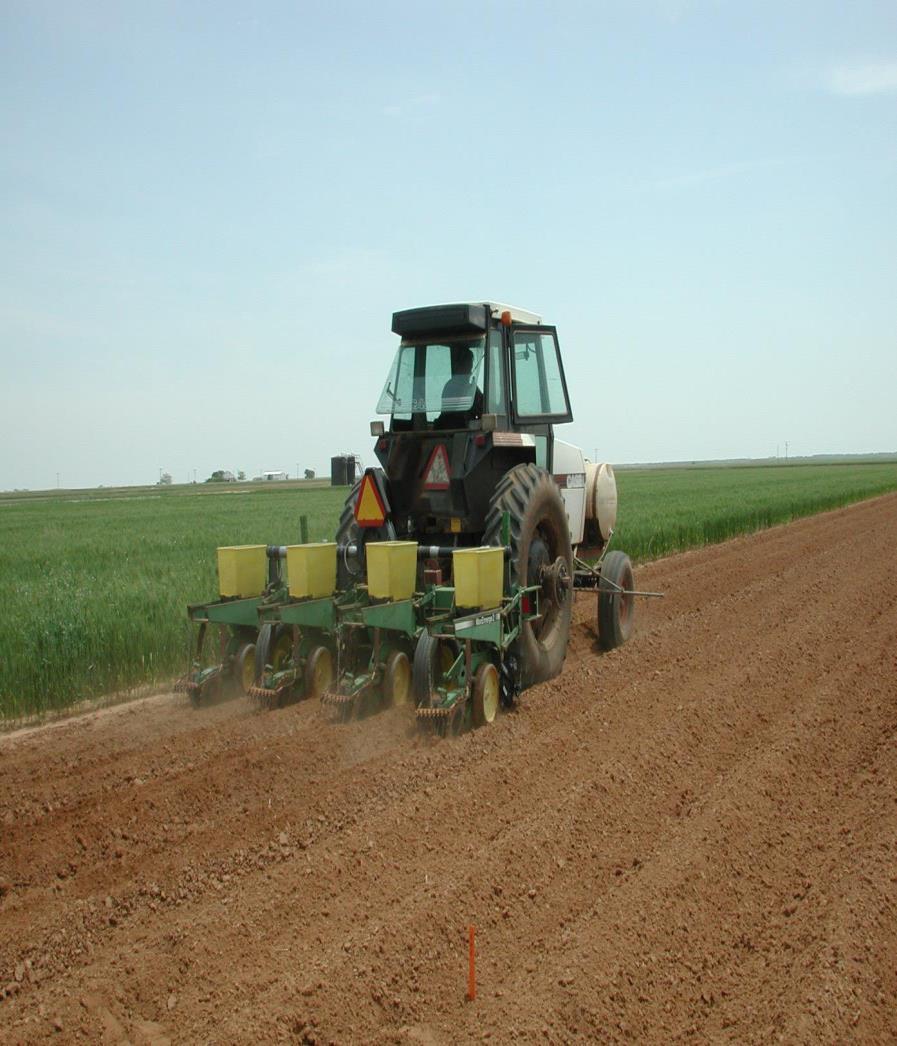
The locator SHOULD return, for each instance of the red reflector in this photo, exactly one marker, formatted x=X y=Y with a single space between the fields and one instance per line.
x=382 y=443
x=527 y=605
x=480 y=439
x=369 y=509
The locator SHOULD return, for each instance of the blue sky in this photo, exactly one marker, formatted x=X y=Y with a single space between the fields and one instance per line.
x=210 y=211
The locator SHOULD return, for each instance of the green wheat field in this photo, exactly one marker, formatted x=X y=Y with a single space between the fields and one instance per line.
x=94 y=584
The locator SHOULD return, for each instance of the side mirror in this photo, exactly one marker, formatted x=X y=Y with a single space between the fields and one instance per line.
x=377 y=428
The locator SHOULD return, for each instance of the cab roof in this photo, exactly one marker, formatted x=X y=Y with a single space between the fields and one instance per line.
x=457 y=318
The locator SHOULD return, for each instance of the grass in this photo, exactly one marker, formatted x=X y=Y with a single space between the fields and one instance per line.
x=94 y=585
x=94 y=590
x=670 y=510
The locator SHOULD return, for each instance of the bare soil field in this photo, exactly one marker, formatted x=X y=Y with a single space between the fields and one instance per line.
x=693 y=837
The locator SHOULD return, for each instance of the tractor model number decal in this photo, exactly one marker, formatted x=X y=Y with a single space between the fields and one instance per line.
x=570 y=480
x=438 y=471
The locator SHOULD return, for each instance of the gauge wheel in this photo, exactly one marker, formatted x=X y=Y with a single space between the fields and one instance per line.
x=397 y=679
x=318 y=674
x=485 y=694
x=274 y=647
x=244 y=666
x=433 y=657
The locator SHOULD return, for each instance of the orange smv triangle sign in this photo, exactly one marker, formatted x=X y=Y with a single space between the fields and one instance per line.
x=438 y=470
x=369 y=510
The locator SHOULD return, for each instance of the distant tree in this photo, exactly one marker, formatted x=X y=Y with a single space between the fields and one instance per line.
x=216 y=477
x=241 y=476
x=165 y=479
x=309 y=473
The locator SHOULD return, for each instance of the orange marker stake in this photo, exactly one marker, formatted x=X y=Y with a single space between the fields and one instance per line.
x=471 y=966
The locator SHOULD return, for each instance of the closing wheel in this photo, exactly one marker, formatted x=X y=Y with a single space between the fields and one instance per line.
x=616 y=608
x=397 y=679
x=433 y=657
x=540 y=536
x=485 y=694
x=318 y=672
x=244 y=666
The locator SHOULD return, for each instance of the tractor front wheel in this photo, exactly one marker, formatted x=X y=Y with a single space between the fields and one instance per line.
x=616 y=604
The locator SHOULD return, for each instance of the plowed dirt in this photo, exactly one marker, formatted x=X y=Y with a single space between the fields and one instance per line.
x=692 y=837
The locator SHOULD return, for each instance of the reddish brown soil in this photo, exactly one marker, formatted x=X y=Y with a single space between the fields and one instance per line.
x=692 y=837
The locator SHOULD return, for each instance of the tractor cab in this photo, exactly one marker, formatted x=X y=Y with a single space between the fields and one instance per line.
x=474 y=389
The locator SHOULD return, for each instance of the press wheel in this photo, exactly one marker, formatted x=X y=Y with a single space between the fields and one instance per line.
x=244 y=667
x=485 y=694
x=397 y=679
x=318 y=672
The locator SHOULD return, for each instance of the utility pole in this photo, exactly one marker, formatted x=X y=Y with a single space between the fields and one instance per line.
x=786 y=450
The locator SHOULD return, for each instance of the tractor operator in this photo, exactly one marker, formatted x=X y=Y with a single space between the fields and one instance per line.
x=460 y=388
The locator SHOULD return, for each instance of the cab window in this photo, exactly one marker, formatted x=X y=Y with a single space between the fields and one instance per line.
x=495 y=393
x=538 y=378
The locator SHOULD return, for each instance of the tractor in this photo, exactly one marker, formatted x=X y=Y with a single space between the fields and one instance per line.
x=473 y=396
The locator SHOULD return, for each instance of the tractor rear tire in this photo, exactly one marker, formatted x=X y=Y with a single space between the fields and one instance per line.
x=616 y=609
x=540 y=534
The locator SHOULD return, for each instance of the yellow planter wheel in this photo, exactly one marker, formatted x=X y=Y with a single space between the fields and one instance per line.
x=282 y=650
x=485 y=694
x=244 y=667
x=273 y=648
x=397 y=679
x=318 y=672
